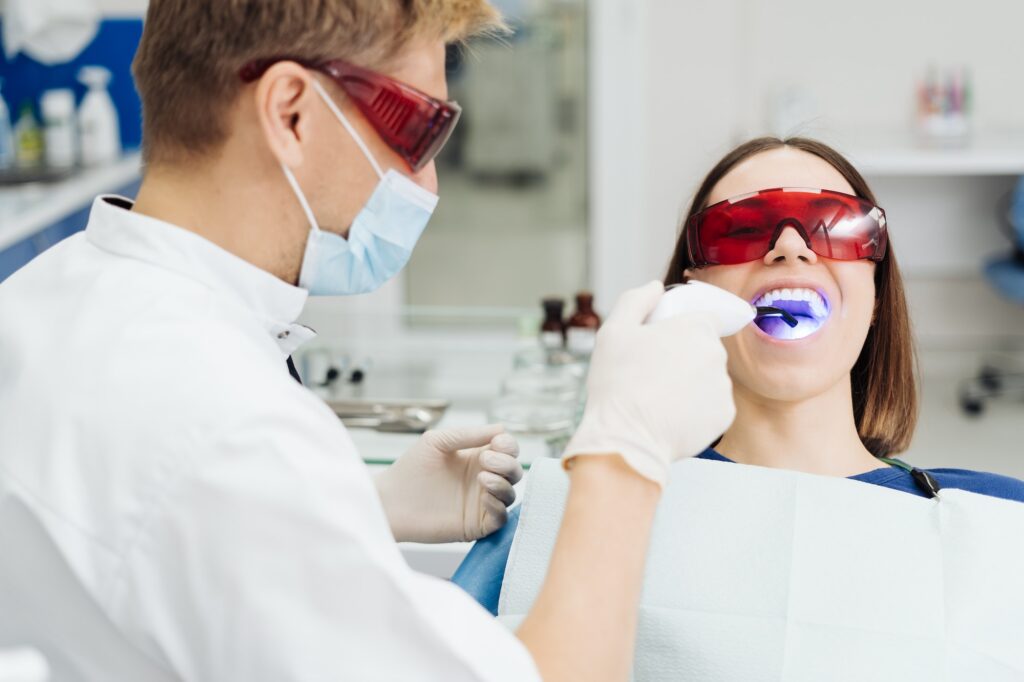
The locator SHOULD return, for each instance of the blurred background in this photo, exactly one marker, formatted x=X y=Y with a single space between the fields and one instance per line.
x=583 y=138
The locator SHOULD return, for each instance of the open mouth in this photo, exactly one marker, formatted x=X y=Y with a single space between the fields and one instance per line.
x=809 y=308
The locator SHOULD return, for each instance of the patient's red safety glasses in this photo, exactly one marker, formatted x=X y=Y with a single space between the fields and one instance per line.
x=411 y=122
x=745 y=228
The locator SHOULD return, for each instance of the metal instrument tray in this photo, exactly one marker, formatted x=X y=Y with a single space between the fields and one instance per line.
x=394 y=416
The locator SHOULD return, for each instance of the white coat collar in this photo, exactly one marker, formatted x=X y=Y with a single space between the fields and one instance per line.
x=113 y=227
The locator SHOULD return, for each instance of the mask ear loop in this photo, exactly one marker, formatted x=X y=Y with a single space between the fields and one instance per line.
x=308 y=266
x=301 y=197
x=348 y=126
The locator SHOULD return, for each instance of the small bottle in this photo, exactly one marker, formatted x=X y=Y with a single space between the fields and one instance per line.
x=28 y=138
x=583 y=325
x=552 y=330
x=6 y=135
x=98 y=127
x=58 y=107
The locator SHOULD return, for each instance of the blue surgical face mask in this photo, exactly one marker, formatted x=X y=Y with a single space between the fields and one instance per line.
x=382 y=236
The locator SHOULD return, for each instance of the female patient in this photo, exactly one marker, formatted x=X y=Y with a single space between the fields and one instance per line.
x=828 y=388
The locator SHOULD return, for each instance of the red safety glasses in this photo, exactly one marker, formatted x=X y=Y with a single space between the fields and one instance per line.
x=411 y=122
x=745 y=228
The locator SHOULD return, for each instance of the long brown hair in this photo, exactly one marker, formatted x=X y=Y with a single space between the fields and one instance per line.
x=883 y=379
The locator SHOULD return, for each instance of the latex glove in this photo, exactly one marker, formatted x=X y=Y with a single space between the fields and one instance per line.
x=655 y=392
x=452 y=485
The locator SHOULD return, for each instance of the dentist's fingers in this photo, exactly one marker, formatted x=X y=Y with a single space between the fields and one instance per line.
x=493 y=515
x=701 y=325
x=506 y=466
x=505 y=442
x=497 y=487
x=636 y=305
x=450 y=440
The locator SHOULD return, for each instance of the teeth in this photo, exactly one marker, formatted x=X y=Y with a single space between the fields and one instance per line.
x=814 y=299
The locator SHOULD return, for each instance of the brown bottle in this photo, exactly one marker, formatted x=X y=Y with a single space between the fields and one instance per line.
x=583 y=325
x=552 y=330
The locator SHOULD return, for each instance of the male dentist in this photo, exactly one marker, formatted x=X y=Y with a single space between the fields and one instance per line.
x=215 y=512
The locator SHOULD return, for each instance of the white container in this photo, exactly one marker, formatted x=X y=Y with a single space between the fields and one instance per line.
x=58 y=107
x=23 y=665
x=98 y=127
x=6 y=135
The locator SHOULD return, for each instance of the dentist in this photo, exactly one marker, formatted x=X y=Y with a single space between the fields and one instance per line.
x=214 y=510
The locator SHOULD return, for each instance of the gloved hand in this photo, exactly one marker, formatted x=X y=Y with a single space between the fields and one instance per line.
x=452 y=485
x=656 y=392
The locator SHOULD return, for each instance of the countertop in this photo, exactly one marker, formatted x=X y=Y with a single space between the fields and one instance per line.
x=27 y=209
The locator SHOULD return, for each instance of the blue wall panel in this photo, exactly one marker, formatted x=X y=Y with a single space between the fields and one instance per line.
x=113 y=47
x=26 y=79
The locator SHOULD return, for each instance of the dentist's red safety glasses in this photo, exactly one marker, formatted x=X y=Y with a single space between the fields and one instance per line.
x=745 y=228
x=411 y=122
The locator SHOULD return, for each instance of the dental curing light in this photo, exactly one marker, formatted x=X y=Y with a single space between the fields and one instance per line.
x=729 y=312
x=772 y=311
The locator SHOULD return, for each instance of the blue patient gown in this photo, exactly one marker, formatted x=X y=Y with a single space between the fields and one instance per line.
x=483 y=570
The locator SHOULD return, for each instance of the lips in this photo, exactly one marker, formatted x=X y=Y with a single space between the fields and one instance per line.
x=809 y=307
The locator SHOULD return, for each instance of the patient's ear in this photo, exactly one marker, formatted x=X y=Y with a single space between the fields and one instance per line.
x=689 y=274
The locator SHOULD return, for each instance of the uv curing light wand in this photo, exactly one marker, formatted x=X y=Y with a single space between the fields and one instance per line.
x=772 y=311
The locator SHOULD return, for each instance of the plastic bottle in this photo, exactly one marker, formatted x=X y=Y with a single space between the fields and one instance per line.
x=28 y=138
x=583 y=325
x=98 y=127
x=552 y=330
x=6 y=135
x=58 y=107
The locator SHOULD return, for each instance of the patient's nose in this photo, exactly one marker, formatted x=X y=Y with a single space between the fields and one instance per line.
x=790 y=246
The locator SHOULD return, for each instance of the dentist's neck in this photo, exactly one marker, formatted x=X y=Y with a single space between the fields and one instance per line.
x=817 y=435
x=254 y=217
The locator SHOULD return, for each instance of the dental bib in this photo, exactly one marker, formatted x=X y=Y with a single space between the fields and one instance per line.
x=763 y=574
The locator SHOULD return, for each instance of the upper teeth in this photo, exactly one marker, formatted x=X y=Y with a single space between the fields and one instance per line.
x=813 y=298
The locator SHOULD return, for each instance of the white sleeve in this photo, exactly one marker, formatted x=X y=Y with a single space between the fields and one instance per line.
x=272 y=560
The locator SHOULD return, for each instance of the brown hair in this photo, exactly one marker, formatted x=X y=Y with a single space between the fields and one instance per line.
x=883 y=378
x=186 y=68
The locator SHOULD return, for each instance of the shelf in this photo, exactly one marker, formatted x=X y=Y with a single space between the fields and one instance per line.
x=901 y=155
x=27 y=209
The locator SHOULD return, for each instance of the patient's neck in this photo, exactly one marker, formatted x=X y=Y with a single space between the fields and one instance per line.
x=817 y=435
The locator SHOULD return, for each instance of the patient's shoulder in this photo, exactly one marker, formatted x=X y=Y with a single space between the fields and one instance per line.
x=981 y=482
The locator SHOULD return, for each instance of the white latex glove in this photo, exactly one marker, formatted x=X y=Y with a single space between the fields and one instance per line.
x=452 y=485
x=656 y=392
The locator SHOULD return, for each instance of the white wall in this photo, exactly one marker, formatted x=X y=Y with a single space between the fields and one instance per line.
x=861 y=59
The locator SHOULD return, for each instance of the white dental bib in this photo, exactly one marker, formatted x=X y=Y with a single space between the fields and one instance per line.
x=764 y=574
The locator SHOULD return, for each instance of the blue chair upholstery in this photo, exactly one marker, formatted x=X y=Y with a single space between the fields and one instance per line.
x=1006 y=275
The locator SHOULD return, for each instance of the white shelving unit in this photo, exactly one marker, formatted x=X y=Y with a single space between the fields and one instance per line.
x=902 y=155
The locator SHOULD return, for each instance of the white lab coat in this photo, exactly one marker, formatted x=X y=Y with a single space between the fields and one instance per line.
x=215 y=511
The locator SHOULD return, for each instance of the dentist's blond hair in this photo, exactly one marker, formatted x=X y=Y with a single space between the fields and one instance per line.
x=186 y=68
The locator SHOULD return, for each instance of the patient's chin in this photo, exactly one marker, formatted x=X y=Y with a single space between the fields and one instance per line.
x=786 y=384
